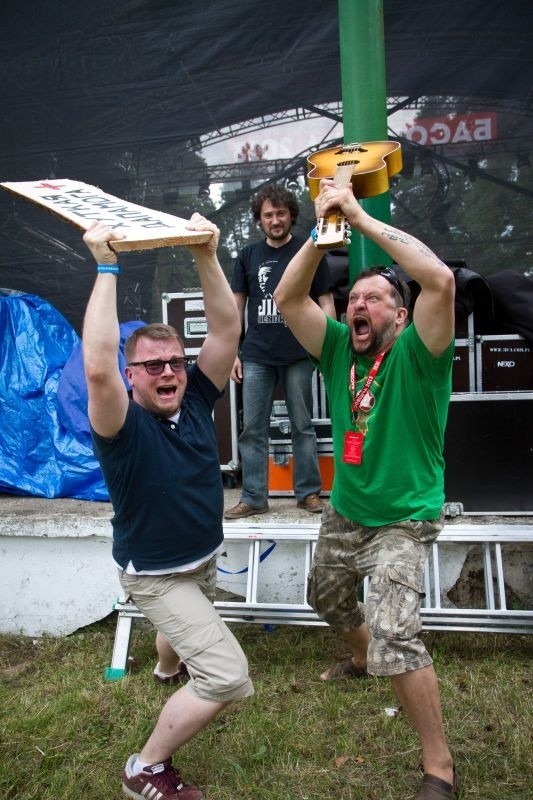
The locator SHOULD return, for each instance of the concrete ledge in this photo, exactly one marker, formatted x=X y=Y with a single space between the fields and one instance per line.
x=58 y=574
x=57 y=571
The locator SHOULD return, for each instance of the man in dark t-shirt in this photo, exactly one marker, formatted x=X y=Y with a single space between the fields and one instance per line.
x=270 y=353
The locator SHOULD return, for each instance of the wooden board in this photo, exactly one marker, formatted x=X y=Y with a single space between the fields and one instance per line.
x=81 y=204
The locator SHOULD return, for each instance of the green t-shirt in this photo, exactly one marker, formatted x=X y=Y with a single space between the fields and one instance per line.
x=401 y=475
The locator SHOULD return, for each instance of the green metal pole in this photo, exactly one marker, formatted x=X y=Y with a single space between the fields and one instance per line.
x=364 y=103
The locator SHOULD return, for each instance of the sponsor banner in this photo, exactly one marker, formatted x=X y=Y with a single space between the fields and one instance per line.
x=457 y=129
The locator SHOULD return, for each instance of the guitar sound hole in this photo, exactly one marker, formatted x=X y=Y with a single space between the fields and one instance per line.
x=351 y=148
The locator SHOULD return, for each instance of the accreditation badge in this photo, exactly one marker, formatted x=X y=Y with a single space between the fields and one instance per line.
x=353 y=447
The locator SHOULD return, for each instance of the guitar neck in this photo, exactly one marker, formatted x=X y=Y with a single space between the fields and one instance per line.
x=331 y=230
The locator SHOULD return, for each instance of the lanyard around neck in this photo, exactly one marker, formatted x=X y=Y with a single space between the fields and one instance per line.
x=357 y=398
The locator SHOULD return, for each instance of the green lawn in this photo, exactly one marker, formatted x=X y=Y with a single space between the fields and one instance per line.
x=65 y=733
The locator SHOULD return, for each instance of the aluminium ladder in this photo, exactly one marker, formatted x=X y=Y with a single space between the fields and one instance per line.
x=258 y=539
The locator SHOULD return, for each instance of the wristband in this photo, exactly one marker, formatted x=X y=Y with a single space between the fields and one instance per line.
x=314 y=234
x=114 y=269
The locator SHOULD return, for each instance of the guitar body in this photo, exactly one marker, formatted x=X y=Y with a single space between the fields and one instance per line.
x=366 y=165
x=370 y=165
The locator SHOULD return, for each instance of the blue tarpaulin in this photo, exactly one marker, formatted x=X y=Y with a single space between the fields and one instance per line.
x=45 y=444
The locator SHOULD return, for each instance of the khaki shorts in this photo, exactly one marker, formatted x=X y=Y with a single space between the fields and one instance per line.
x=180 y=606
x=394 y=557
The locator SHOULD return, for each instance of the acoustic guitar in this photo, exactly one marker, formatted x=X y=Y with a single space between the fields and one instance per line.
x=367 y=165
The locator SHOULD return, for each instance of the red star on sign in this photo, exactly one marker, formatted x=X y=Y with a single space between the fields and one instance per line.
x=44 y=185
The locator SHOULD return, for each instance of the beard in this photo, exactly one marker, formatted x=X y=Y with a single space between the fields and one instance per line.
x=281 y=232
x=378 y=340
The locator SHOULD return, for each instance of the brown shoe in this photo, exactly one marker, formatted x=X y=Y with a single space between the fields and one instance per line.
x=244 y=510
x=434 y=788
x=344 y=669
x=311 y=503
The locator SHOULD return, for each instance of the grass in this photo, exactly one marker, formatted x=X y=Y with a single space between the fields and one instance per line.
x=65 y=733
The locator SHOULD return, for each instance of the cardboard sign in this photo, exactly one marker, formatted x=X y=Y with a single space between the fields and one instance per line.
x=81 y=204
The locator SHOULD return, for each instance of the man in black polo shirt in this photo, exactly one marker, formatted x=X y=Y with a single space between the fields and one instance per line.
x=159 y=458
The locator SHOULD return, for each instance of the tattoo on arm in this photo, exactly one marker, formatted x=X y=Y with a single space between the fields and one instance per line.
x=405 y=238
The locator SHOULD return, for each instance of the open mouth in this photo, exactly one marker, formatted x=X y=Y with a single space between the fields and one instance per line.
x=361 y=328
x=166 y=391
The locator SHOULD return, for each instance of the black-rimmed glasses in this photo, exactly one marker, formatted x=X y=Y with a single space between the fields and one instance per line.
x=157 y=366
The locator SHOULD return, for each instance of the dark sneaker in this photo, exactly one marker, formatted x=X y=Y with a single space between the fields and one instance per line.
x=311 y=503
x=244 y=510
x=181 y=676
x=157 y=782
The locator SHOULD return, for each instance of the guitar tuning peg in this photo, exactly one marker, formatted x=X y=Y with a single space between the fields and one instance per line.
x=347 y=234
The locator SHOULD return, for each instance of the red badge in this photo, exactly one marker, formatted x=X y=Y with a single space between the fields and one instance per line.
x=353 y=447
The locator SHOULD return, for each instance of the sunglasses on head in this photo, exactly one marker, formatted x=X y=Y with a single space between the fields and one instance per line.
x=157 y=366
x=393 y=279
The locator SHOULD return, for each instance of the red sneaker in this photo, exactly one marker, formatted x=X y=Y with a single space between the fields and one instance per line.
x=159 y=781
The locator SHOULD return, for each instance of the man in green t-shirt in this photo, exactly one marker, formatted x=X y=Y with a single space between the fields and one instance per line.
x=389 y=385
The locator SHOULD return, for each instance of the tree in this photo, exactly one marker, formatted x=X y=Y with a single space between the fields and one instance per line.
x=471 y=199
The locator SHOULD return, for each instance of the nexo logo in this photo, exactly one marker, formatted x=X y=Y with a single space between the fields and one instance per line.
x=506 y=364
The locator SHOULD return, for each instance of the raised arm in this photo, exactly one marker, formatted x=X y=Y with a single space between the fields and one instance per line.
x=217 y=355
x=434 y=309
x=108 y=397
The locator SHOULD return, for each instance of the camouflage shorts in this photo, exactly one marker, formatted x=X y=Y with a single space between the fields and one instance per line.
x=393 y=557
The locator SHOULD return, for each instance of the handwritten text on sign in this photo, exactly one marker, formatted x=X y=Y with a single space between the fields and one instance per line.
x=81 y=204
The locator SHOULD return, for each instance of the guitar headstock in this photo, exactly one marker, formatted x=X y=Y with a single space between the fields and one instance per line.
x=331 y=232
